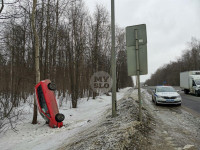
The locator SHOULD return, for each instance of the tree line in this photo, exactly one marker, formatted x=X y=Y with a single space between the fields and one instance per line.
x=73 y=45
x=170 y=73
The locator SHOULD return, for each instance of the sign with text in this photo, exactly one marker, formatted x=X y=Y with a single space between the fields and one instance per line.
x=101 y=82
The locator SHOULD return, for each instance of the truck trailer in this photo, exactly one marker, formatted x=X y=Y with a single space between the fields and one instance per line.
x=190 y=82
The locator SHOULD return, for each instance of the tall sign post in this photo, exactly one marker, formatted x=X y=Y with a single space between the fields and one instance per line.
x=136 y=45
x=113 y=60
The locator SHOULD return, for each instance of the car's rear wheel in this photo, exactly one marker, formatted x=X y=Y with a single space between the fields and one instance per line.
x=59 y=117
x=52 y=86
x=186 y=91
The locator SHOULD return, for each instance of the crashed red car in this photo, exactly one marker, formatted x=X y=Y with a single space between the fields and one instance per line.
x=47 y=104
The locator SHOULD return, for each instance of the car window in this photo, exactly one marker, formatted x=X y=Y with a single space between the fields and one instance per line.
x=42 y=101
x=165 y=89
x=193 y=83
x=197 y=82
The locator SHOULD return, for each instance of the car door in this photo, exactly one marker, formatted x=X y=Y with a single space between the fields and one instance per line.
x=193 y=87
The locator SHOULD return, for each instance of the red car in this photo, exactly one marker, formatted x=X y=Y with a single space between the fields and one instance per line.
x=47 y=104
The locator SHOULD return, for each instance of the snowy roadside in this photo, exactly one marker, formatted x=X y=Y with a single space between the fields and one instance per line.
x=163 y=127
x=42 y=137
x=121 y=132
x=174 y=128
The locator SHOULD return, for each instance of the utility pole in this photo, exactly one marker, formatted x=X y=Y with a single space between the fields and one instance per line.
x=113 y=60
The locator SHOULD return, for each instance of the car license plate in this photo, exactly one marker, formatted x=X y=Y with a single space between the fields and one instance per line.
x=170 y=100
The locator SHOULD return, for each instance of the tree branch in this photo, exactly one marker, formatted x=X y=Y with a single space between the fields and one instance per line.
x=2 y=6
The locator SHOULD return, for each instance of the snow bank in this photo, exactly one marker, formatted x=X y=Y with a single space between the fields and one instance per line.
x=41 y=136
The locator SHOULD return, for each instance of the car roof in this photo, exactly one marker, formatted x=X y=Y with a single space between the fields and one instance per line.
x=163 y=86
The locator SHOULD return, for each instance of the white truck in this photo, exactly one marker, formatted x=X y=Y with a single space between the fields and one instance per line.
x=190 y=82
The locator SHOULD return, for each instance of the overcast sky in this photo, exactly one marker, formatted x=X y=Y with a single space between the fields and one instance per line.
x=170 y=25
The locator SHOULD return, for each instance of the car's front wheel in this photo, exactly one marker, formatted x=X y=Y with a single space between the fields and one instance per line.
x=156 y=102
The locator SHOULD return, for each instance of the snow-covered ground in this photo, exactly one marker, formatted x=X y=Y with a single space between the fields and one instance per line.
x=42 y=137
x=163 y=127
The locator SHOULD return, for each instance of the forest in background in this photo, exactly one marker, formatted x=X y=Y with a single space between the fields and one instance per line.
x=73 y=45
x=170 y=73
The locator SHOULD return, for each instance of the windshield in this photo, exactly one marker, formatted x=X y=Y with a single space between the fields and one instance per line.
x=165 y=89
x=42 y=101
x=197 y=82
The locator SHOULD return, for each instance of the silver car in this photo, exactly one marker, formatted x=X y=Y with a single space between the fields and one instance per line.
x=166 y=95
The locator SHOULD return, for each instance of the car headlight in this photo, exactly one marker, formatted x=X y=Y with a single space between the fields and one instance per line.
x=178 y=96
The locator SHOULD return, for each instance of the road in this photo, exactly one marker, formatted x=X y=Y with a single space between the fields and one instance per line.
x=178 y=126
x=190 y=103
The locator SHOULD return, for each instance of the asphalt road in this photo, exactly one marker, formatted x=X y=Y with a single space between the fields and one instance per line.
x=190 y=102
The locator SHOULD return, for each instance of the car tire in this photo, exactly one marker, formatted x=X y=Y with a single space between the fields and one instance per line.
x=186 y=91
x=59 y=117
x=52 y=86
x=156 y=102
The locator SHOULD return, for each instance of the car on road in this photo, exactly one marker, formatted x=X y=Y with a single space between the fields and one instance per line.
x=47 y=103
x=166 y=95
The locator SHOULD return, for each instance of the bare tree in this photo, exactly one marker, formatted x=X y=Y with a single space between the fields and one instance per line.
x=47 y=50
x=2 y=6
x=170 y=73
x=72 y=46
x=37 y=68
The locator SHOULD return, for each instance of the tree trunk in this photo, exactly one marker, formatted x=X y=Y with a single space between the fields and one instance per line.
x=46 y=70
x=37 y=68
x=55 y=44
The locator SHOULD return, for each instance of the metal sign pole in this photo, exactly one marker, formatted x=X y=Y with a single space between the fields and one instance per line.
x=138 y=74
x=136 y=80
x=113 y=61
